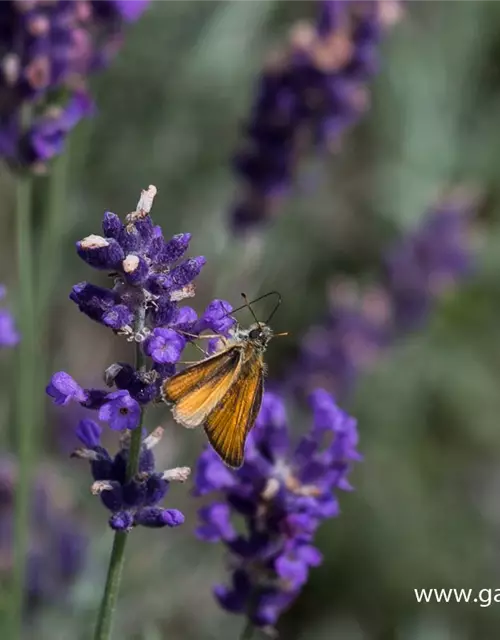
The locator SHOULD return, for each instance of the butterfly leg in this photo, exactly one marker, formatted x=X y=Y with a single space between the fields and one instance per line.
x=205 y=335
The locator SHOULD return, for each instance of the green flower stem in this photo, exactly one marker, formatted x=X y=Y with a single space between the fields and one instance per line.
x=25 y=400
x=52 y=236
x=108 y=603
x=248 y=630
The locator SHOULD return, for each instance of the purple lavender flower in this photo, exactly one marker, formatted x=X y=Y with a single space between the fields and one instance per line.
x=47 y=51
x=150 y=279
x=9 y=336
x=47 y=135
x=120 y=411
x=165 y=345
x=355 y=332
x=307 y=95
x=429 y=262
x=133 y=502
x=363 y=323
x=57 y=542
x=282 y=493
x=63 y=388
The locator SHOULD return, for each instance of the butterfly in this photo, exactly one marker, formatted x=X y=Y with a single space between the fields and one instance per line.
x=223 y=392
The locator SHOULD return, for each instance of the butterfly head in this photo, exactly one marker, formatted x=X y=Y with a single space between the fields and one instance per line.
x=259 y=334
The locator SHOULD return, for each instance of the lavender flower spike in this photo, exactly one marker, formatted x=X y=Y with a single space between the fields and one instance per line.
x=283 y=493
x=150 y=278
x=48 y=50
x=426 y=264
x=418 y=270
x=307 y=96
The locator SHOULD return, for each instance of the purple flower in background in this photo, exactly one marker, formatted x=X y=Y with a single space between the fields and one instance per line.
x=131 y=502
x=47 y=135
x=47 y=52
x=356 y=330
x=427 y=263
x=362 y=323
x=307 y=96
x=9 y=336
x=283 y=493
x=57 y=544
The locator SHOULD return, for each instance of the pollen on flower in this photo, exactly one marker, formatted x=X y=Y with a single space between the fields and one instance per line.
x=179 y=474
x=154 y=438
x=271 y=489
x=145 y=203
x=93 y=242
x=130 y=263
x=188 y=291
x=99 y=486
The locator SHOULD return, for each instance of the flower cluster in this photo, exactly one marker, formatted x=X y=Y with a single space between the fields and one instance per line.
x=150 y=278
x=132 y=502
x=307 y=95
x=282 y=494
x=8 y=332
x=361 y=324
x=57 y=546
x=47 y=50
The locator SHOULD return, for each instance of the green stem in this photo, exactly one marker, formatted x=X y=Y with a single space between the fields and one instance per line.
x=108 y=603
x=25 y=397
x=52 y=236
x=247 y=632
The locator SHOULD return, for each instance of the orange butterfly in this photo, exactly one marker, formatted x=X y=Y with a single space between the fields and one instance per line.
x=224 y=391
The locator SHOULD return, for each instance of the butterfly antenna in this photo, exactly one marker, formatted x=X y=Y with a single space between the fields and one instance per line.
x=266 y=295
x=247 y=304
x=278 y=303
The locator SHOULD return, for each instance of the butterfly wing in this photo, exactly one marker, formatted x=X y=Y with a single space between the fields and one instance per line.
x=228 y=425
x=196 y=390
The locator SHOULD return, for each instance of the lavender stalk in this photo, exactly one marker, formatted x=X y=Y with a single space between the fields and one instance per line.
x=25 y=393
x=116 y=561
x=151 y=277
x=52 y=233
x=247 y=632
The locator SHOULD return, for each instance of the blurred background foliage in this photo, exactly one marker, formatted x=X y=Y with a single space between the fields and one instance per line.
x=425 y=512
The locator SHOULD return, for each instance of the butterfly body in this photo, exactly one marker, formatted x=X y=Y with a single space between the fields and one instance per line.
x=223 y=392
